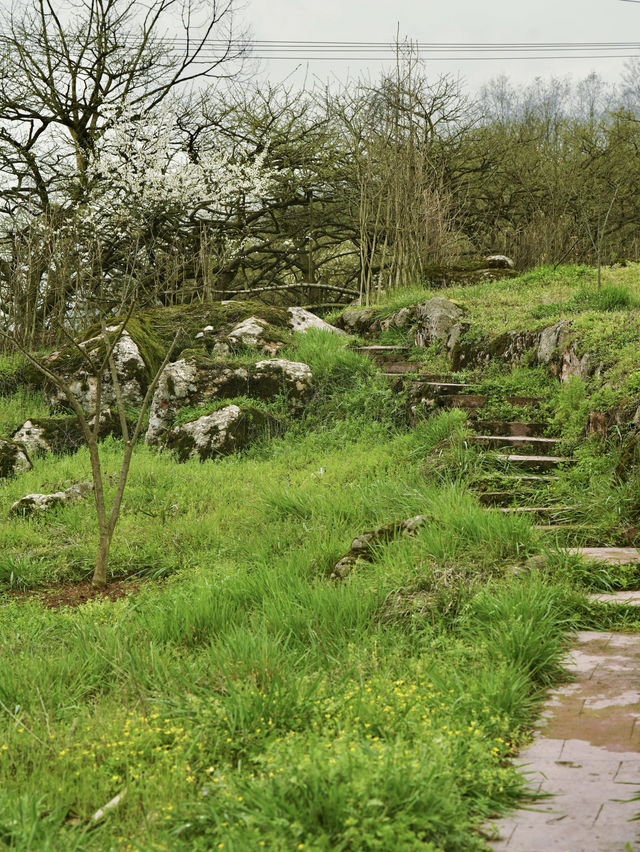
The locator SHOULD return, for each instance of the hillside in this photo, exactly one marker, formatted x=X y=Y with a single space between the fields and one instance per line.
x=262 y=674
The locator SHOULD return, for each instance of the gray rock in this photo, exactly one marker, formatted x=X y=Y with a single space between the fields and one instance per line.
x=302 y=320
x=221 y=433
x=196 y=380
x=358 y=321
x=191 y=382
x=248 y=332
x=34 y=504
x=403 y=318
x=575 y=365
x=277 y=375
x=439 y=320
x=363 y=546
x=552 y=340
x=33 y=437
x=42 y=435
x=499 y=261
x=130 y=370
x=14 y=458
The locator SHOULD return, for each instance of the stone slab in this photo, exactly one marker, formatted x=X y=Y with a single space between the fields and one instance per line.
x=609 y=555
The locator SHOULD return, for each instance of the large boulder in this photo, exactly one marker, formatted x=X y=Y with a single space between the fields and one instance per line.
x=225 y=431
x=439 y=321
x=34 y=504
x=253 y=331
x=358 y=321
x=499 y=261
x=195 y=380
x=14 y=458
x=131 y=370
x=42 y=435
x=192 y=381
x=404 y=318
x=302 y=321
x=277 y=375
x=61 y=435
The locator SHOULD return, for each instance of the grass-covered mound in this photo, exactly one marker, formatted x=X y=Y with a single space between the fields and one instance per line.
x=242 y=699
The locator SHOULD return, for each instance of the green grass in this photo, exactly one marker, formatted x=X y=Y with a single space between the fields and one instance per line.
x=249 y=699
x=242 y=699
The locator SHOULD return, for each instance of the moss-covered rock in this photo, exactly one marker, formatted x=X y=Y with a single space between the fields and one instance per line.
x=61 y=435
x=195 y=380
x=225 y=431
x=14 y=458
x=132 y=370
x=34 y=504
x=192 y=381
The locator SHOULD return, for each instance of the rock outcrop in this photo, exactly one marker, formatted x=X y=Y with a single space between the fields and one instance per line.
x=277 y=375
x=14 y=458
x=220 y=433
x=131 y=370
x=61 y=435
x=359 y=321
x=34 y=504
x=439 y=321
x=499 y=261
x=302 y=321
x=195 y=380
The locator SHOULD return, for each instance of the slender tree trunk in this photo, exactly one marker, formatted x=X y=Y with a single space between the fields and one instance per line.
x=99 y=579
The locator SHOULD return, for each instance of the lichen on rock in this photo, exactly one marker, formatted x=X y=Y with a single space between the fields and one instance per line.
x=33 y=504
x=223 y=432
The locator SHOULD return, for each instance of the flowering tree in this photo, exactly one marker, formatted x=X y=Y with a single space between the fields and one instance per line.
x=68 y=69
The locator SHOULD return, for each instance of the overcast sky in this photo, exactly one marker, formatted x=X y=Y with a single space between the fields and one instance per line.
x=449 y=21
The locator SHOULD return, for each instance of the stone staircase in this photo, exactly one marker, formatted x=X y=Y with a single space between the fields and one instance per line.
x=521 y=455
x=521 y=462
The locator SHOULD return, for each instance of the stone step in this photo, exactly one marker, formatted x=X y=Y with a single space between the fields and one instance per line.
x=533 y=462
x=608 y=555
x=505 y=427
x=521 y=478
x=377 y=349
x=630 y=598
x=560 y=528
x=476 y=401
x=505 y=498
x=534 y=510
x=497 y=498
x=445 y=387
x=464 y=400
x=399 y=368
x=504 y=441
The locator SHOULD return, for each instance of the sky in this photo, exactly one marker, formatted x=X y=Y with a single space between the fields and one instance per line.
x=448 y=21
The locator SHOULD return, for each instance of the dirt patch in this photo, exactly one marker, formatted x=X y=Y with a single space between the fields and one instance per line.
x=76 y=594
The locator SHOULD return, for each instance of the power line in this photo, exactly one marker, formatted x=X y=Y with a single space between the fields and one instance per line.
x=269 y=49
x=212 y=50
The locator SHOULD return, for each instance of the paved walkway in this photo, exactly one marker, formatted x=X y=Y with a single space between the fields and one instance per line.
x=587 y=755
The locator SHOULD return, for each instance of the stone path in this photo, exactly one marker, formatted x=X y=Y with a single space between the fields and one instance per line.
x=587 y=755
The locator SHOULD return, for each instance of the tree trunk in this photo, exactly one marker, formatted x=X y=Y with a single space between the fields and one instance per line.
x=99 y=580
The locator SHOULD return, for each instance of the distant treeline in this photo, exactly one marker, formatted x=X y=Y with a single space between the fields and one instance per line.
x=125 y=174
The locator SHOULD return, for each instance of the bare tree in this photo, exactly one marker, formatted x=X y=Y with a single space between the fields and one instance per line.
x=90 y=425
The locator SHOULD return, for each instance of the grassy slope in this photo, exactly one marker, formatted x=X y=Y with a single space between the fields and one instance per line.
x=605 y=323
x=249 y=702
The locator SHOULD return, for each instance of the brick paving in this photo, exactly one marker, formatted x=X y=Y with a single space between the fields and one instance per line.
x=586 y=755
